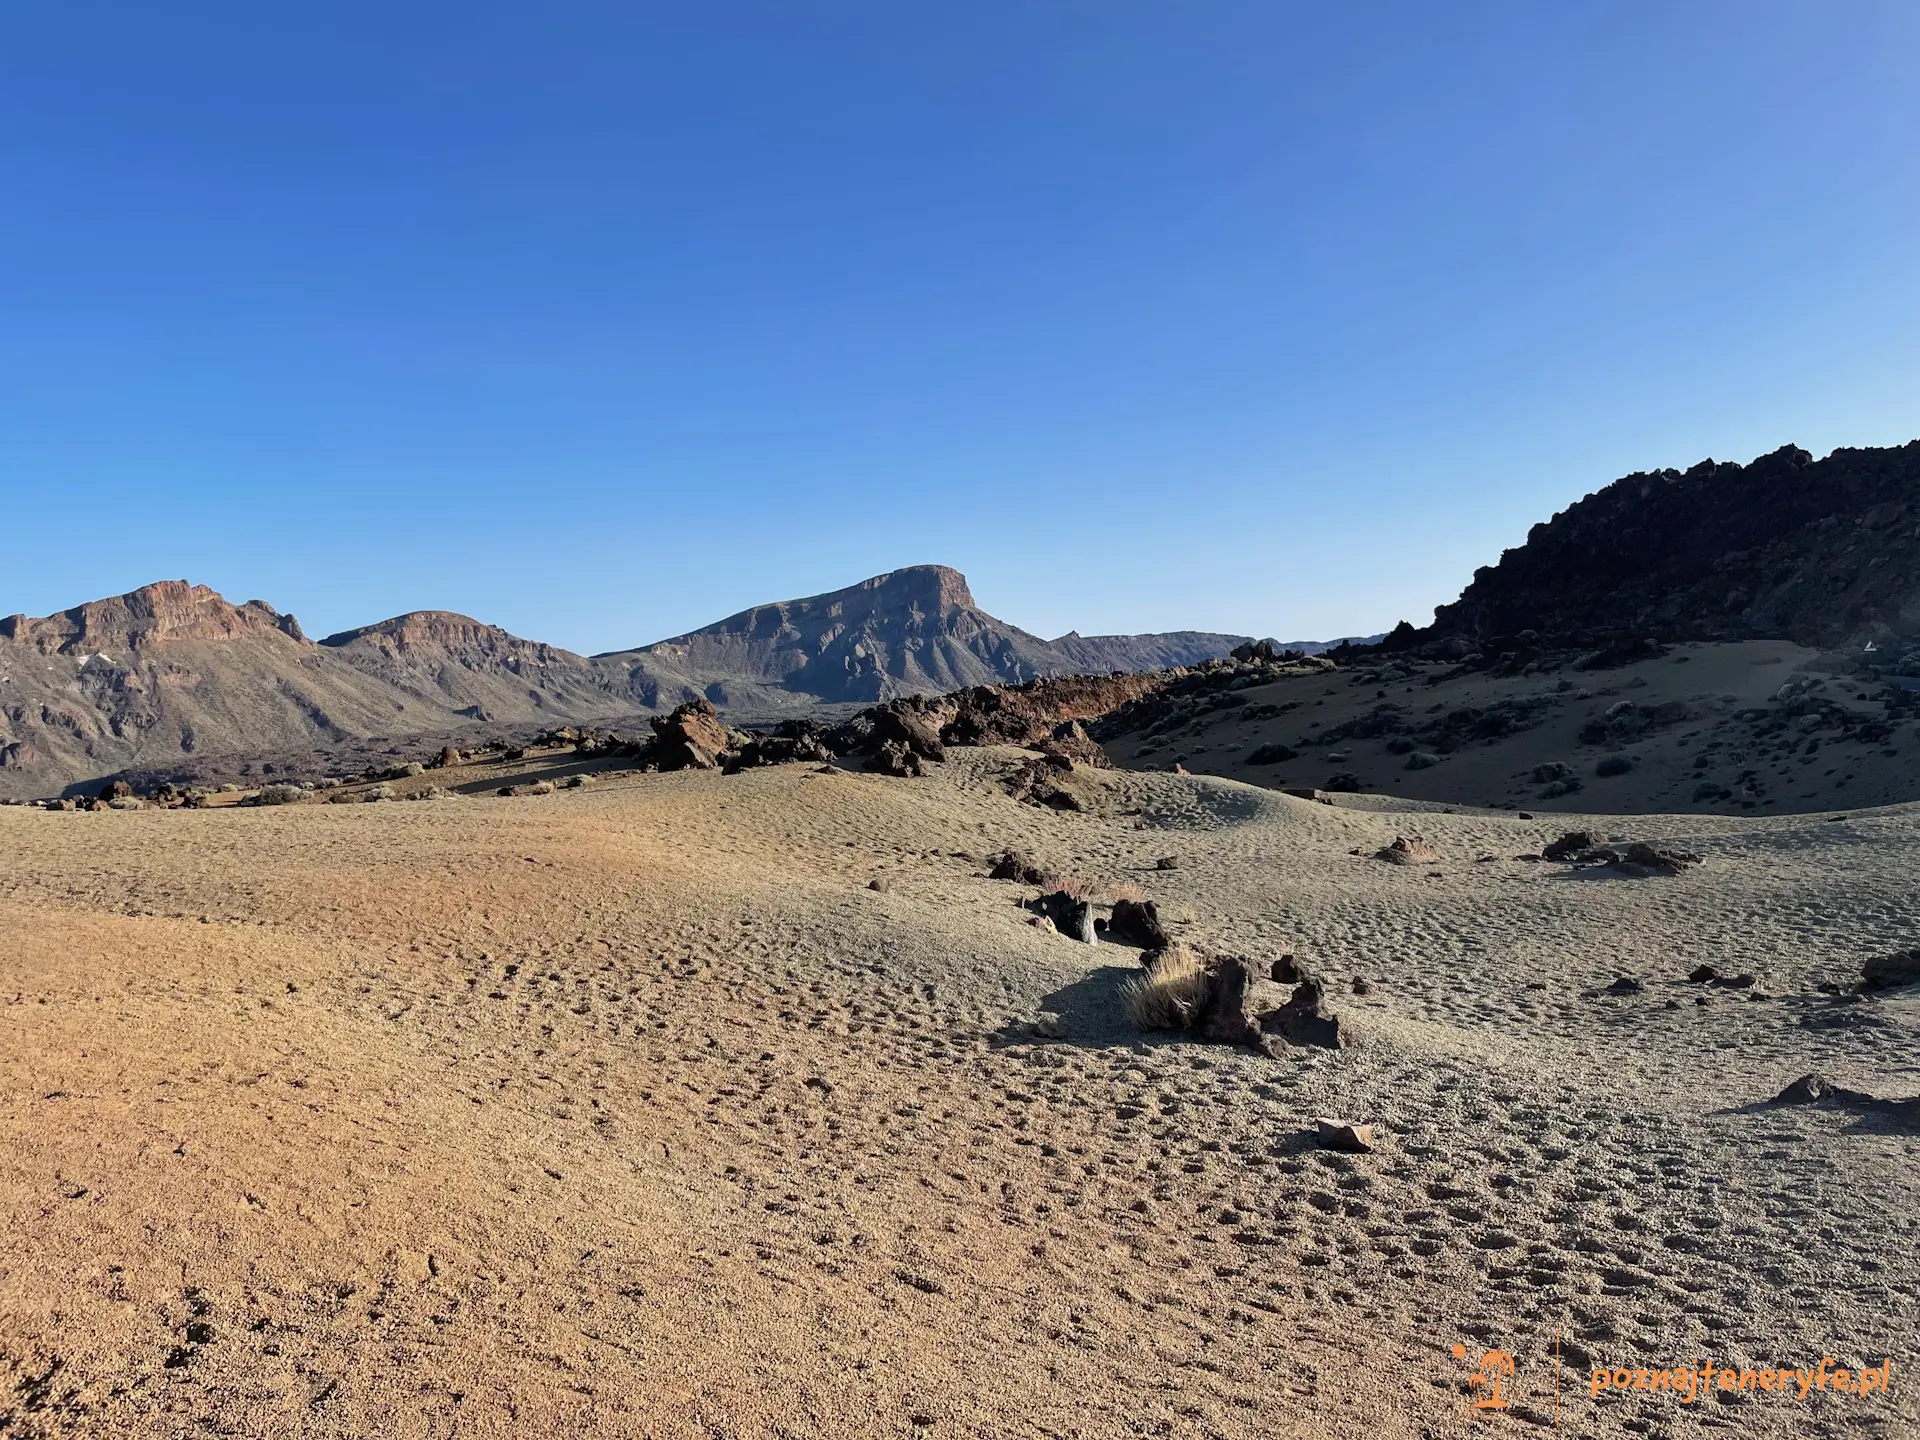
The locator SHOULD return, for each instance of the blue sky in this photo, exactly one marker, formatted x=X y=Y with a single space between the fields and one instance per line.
x=602 y=320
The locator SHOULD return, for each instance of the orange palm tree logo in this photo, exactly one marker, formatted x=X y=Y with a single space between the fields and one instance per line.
x=1495 y=1367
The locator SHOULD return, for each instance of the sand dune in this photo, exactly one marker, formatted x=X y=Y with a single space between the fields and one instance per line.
x=633 y=1110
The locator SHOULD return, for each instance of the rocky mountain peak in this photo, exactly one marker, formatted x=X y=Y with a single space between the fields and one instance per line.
x=164 y=612
x=932 y=587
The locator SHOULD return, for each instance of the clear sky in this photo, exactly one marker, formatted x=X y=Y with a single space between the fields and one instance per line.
x=601 y=320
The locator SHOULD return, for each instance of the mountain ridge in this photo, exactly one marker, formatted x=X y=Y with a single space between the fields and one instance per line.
x=172 y=670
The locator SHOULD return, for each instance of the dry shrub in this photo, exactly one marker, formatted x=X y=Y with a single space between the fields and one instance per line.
x=1077 y=886
x=1164 y=997
x=1126 y=890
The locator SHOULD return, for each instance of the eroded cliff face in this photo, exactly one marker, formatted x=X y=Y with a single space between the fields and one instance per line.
x=164 y=612
x=1822 y=552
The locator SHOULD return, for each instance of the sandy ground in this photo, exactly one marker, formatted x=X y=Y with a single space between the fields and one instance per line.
x=633 y=1111
x=1726 y=741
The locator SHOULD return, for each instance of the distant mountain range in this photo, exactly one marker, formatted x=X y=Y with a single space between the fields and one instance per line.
x=174 y=670
x=1823 y=552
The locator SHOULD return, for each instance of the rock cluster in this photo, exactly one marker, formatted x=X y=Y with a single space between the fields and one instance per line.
x=1634 y=859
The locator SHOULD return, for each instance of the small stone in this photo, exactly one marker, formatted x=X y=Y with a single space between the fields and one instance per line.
x=1703 y=975
x=1408 y=850
x=1361 y=987
x=1050 y=1026
x=1337 y=1135
x=880 y=883
x=1809 y=1089
x=1625 y=985
x=1167 y=862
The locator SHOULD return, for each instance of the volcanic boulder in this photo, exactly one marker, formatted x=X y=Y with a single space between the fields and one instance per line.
x=1408 y=850
x=1883 y=972
x=691 y=738
x=1305 y=1020
x=1137 y=922
x=1071 y=915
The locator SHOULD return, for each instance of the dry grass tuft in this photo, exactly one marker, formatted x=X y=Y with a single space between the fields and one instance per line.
x=1126 y=890
x=1077 y=886
x=1164 y=997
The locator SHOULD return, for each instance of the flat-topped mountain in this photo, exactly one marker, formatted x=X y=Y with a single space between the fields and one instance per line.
x=173 y=671
x=910 y=631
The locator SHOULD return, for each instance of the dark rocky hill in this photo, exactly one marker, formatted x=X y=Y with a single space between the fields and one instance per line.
x=1822 y=552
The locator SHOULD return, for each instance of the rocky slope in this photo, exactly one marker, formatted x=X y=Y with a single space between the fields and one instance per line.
x=1821 y=552
x=171 y=668
x=482 y=671
x=910 y=631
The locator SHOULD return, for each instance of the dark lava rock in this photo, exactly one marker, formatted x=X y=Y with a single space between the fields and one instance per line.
x=1343 y=783
x=691 y=738
x=1070 y=742
x=1574 y=842
x=1035 y=783
x=1305 y=1020
x=1816 y=1089
x=1703 y=974
x=1285 y=970
x=1883 y=972
x=1408 y=850
x=1071 y=916
x=1641 y=859
x=895 y=758
x=898 y=721
x=1272 y=753
x=793 y=740
x=1016 y=865
x=1220 y=1012
x=1137 y=922
x=1626 y=985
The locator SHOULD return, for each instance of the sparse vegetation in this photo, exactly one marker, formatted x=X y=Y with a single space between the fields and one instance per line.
x=1164 y=997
